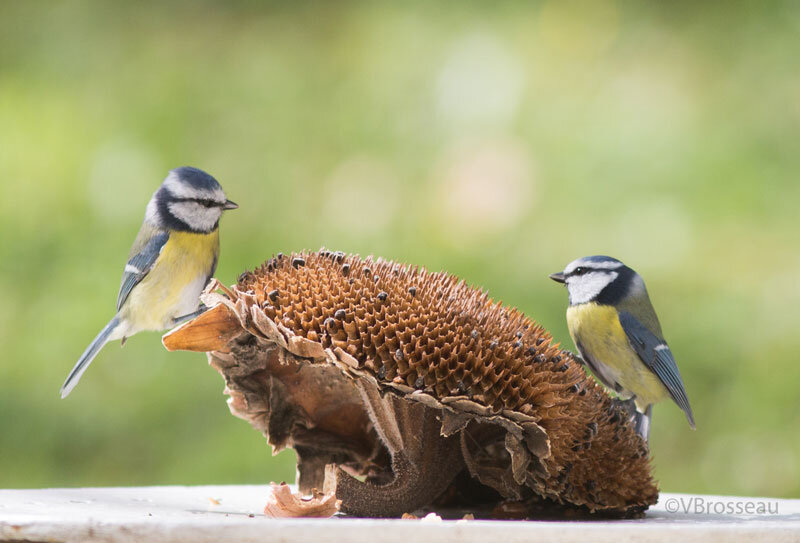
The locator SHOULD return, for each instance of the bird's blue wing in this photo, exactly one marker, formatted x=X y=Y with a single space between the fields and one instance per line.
x=656 y=355
x=139 y=264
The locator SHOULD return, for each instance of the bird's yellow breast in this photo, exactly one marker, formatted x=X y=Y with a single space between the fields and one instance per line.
x=173 y=286
x=596 y=328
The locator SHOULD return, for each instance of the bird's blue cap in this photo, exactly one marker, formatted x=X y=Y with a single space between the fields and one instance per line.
x=196 y=178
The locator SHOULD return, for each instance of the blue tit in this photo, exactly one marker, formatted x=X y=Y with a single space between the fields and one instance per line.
x=171 y=261
x=617 y=333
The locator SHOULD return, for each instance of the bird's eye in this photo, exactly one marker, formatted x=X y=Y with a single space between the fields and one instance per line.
x=580 y=270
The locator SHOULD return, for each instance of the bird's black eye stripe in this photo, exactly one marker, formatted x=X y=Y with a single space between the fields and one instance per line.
x=581 y=270
x=201 y=201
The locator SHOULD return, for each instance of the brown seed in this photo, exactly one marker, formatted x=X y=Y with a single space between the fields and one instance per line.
x=340 y=314
x=297 y=262
x=519 y=334
x=345 y=269
x=420 y=382
x=273 y=295
x=398 y=355
x=412 y=291
x=367 y=272
x=382 y=296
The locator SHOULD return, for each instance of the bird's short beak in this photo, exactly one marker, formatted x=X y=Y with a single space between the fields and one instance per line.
x=558 y=277
x=230 y=205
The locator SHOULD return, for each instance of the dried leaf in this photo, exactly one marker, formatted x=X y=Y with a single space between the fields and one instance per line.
x=282 y=503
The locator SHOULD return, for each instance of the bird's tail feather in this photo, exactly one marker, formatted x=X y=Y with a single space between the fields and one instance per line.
x=88 y=355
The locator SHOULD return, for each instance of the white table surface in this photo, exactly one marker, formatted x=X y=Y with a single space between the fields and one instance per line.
x=191 y=514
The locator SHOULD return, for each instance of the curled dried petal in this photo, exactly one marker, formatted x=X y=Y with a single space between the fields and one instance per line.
x=283 y=503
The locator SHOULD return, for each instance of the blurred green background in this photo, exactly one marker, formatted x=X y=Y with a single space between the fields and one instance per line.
x=495 y=140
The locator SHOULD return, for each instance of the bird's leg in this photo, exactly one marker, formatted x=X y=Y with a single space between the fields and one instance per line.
x=628 y=405
x=576 y=357
x=183 y=318
x=642 y=423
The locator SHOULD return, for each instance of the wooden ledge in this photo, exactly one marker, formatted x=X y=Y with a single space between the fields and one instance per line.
x=201 y=514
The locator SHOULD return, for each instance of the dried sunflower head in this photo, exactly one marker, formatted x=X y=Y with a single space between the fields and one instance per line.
x=419 y=382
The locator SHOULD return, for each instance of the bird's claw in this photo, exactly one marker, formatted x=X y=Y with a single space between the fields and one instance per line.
x=578 y=358
x=184 y=318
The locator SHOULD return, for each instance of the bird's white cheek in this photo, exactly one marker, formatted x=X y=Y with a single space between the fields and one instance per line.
x=587 y=287
x=195 y=215
x=580 y=293
x=205 y=220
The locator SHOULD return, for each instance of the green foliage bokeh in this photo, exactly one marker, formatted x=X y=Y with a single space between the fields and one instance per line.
x=495 y=140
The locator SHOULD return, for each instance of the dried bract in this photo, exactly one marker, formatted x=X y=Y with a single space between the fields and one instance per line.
x=283 y=503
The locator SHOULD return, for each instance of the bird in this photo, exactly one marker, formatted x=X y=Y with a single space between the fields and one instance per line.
x=172 y=259
x=618 y=336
